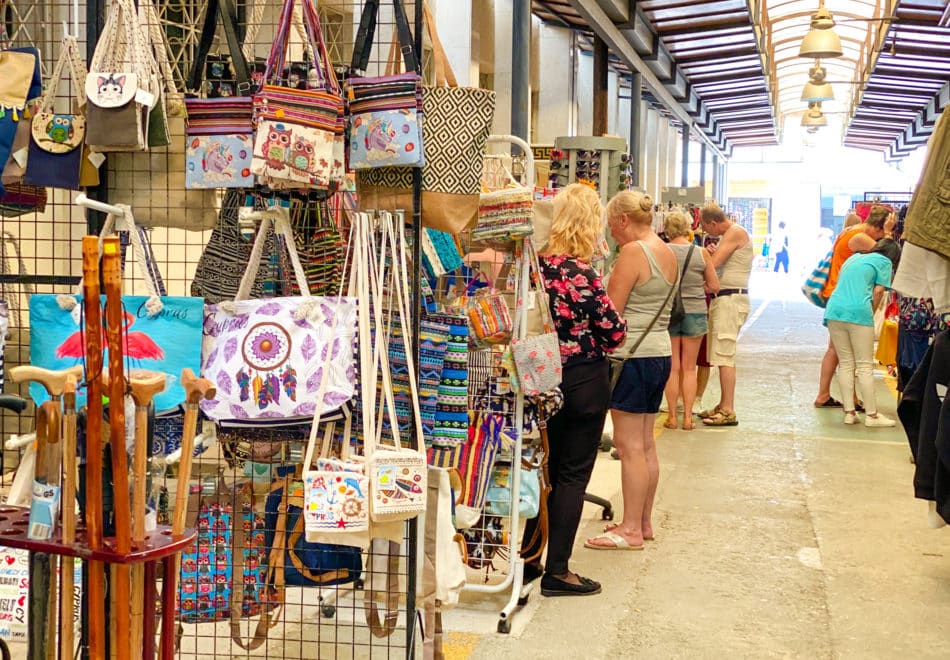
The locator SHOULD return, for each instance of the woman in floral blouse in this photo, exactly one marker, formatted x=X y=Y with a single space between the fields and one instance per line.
x=588 y=328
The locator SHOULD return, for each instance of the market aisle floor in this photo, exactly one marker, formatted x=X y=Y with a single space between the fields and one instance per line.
x=790 y=535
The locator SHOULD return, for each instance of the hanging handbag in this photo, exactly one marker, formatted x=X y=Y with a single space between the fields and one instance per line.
x=475 y=461
x=227 y=253
x=16 y=164
x=384 y=111
x=160 y=333
x=457 y=122
x=20 y=199
x=301 y=563
x=489 y=320
x=219 y=130
x=537 y=358
x=118 y=86
x=20 y=82
x=296 y=129
x=264 y=354
x=815 y=284
x=498 y=497
x=505 y=215
x=678 y=312
x=56 y=145
x=153 y=183
x=451 y=414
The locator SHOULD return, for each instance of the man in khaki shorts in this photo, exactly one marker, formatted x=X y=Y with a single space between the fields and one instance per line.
x=729 y=308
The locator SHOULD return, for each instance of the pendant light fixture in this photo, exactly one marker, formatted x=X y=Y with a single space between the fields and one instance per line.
x=817 y=89
x=814 y=117
x=821 y=40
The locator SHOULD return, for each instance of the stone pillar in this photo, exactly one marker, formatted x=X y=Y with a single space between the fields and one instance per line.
x=585 y=99
x=601 y=75
x=555 y=75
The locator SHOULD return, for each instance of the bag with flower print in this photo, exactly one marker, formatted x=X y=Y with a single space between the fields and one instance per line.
x=266 y=355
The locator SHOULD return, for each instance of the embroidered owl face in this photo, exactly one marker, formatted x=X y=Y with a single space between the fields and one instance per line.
x=301 y=156
x=60 y=128
x=278 y=144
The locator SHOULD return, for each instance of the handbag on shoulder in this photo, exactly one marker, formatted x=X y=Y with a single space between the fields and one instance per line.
x=20 y=81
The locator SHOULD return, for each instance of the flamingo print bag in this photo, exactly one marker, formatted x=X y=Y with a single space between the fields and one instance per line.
x=160 y=333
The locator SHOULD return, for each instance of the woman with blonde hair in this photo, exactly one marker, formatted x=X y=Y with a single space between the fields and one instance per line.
x=641 y=282
x=588 y=327
x=697 y=278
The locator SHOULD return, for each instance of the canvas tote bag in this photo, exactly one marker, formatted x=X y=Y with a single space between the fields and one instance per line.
x=457 y=122
x=153 y=182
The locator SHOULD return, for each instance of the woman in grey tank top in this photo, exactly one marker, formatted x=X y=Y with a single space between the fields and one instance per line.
x=640 y=285
x=696 y=279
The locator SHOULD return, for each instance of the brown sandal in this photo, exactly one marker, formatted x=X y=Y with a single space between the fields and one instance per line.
x=670 y=422
x=721 y=418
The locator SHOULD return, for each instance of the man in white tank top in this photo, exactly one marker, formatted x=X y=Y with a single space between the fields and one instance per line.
x=729 y=308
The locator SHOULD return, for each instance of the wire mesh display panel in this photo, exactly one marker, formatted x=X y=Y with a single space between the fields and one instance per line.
x=42 y=255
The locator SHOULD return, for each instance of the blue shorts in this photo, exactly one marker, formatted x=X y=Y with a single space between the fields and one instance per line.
x=692 y=325
x=641 y=383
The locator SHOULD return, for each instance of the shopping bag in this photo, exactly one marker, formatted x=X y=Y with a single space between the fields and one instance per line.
x=20 y=81
x=816 y=281
x=476 y=460
x=265 y=354
x=57 y=139
x=160 y=333
x=385 y=111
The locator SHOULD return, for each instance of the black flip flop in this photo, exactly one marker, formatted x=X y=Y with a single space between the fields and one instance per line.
x=829 y=403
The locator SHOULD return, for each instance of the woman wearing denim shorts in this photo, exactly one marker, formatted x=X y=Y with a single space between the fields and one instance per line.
x=698 y=278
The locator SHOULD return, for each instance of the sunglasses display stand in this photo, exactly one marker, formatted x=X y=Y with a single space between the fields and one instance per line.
x=603 y=161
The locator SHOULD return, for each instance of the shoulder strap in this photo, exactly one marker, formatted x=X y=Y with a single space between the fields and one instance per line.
x=237 y=577
x=689 y=255
x=228 y=14
x=363 y=45
x=382 y=627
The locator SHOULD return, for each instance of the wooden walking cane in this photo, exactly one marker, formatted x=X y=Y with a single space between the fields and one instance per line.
x=47 y=471
x=67 y=643
x=112 y=283
x=196 y=389
x=96 y=593
x=144 y=385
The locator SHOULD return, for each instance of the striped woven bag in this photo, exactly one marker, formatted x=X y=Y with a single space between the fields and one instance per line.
x=816 y=282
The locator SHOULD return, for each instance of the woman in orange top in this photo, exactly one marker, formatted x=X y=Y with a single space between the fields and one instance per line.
x=859 y=238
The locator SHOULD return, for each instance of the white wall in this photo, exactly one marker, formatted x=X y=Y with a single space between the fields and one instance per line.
x=585 y=94
x=555 y=106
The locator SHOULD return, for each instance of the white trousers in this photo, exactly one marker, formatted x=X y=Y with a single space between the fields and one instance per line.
x=855 y=347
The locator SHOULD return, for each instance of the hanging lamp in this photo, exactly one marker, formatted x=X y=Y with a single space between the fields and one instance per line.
x=821 y=40
x=817 y=89
x=814 y=117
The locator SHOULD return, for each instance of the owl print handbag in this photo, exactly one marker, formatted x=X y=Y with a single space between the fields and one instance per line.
x=56 y=140
x=297 y=130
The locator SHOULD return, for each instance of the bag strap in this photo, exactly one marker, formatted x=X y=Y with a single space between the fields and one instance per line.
x=363 y=45
x=689 y=255
x=307 y=25
x=385 y=625
x=279 y=217
x=228 y=14
x=149 y=17
x=530 y=262
x=333 y=575
x=256 y=21
x=237 y=576
x=444 y=75
x=77 y=73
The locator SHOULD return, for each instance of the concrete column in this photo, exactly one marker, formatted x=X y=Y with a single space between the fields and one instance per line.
x=702 y=164
x=673 y=146
x=716 y=177
x=615 y=125
x=554 y=84
x=521 y=69
x=454 y=20
x=600 y=123
x=651 y=152
x=585 y=97
x=501 y=64
x=637 y=118
x=663 y=162
x=684 y=164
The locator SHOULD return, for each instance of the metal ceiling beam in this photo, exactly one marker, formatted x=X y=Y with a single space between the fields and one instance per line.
x=610 y=33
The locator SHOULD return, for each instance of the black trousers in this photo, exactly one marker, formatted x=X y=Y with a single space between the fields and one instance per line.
x=574 y=437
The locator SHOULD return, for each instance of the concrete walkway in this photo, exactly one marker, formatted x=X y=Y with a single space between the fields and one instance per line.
x=788 y=536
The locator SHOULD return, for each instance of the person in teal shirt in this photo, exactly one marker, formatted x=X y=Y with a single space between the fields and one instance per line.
x=849 y=316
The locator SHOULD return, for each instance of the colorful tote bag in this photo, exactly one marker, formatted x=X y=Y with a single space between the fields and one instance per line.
x=297 y=129
x=816 y=281
x=476 y=460
x=537 y=357
x=20 y=81
x=219 y=143
x=161 y=333
x=265 y=355
x=451 y=415
x=56 y=144
x=385 y=111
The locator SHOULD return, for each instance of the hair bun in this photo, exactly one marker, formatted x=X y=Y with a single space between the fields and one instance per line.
x=646 y=203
